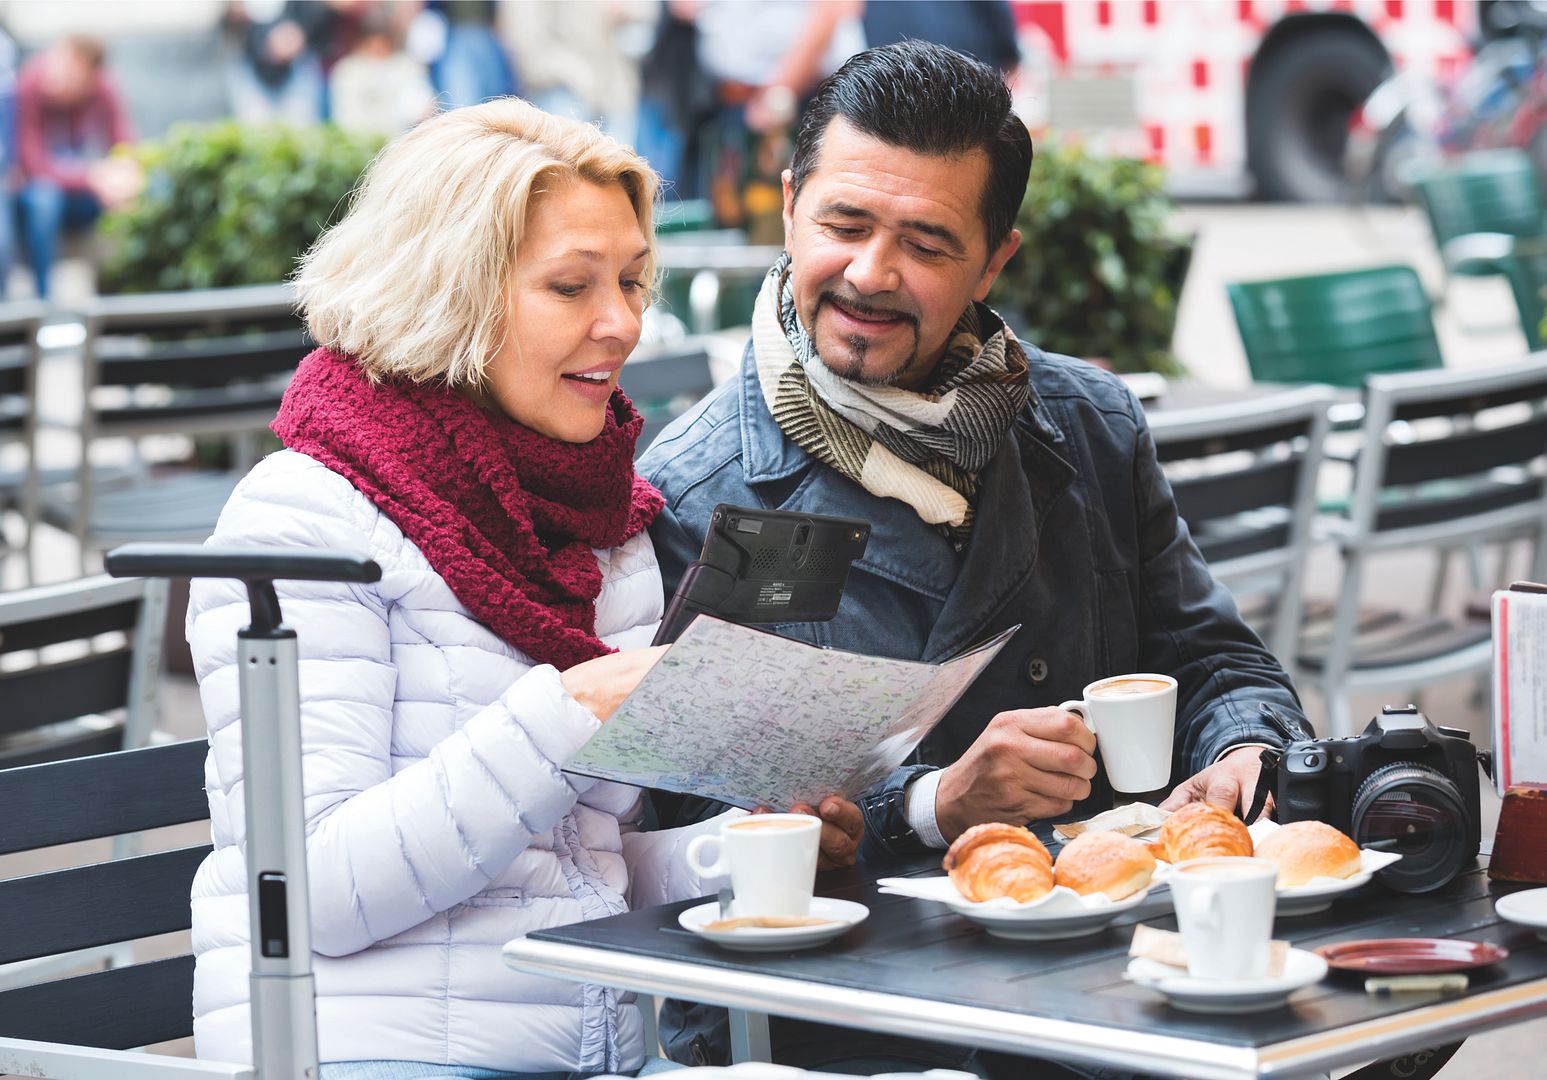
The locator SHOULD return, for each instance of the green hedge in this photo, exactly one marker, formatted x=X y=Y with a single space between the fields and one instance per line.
x=230 y=204
x=1101 y=265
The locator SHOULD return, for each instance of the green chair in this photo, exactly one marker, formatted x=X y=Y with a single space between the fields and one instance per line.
x=1526 y=266
x=1474 y=205
x=1336 y=328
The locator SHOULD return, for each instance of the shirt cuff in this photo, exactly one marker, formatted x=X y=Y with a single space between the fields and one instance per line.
x=1242 y=746
x=918 y=809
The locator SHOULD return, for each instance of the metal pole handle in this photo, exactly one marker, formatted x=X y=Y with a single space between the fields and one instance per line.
x=284 y=1009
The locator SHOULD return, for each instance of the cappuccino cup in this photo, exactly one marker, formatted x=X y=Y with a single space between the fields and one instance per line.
x=771 y=860
x=1224 y=908
x=1134 y=719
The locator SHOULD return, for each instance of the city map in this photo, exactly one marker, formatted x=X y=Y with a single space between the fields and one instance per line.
x=754 y=719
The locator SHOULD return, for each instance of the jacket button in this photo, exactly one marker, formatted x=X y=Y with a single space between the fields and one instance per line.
x=1036 y=670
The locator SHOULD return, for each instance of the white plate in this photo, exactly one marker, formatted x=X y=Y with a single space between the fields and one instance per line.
x=1301 y=969
x=845 y=914
x=1062 y=913
x=1527 y=908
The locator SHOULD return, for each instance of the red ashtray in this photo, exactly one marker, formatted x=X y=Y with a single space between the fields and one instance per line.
x=1410 y=956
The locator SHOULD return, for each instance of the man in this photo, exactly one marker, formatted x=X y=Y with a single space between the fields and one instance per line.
x=1004 y=485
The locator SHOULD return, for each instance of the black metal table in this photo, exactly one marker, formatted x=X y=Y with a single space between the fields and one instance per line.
x=915 y=968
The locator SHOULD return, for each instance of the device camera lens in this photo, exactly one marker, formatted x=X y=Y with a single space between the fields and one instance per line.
x=1415 y=811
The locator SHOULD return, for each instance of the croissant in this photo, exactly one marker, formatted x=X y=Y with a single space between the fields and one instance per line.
x=1310 y=849
x=1104 y=862
x=1199 y=830
x=994 y=860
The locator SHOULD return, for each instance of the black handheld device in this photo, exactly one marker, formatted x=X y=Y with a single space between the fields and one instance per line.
x=766 y=566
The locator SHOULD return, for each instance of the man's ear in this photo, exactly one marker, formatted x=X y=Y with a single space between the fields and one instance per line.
x=996 y=263
x=789 y=207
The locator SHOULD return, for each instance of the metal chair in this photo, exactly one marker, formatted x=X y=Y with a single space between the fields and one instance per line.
x=1449 y=459
x=664 y=384
x=1526 y=267
x=1336 y=328
x=18 y=416
x=1475 y=205
x=1245 y=482
x=53 y=708
x=79 y=1026
x=210 y=363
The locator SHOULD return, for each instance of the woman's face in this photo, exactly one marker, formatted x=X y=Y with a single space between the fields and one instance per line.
x=576 y=297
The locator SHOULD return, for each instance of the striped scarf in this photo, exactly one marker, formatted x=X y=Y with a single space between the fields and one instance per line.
x=925 y=447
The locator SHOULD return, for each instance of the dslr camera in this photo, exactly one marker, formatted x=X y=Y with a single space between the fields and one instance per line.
x=1405 y=785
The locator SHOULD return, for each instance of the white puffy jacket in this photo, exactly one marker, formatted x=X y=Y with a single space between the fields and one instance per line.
x=439 y=823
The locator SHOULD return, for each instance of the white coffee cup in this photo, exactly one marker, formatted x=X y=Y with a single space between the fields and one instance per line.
x=1134 y=719
x=771 y=859
x=1225 y=909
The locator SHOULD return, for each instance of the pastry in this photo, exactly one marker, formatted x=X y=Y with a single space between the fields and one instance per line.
x=1200 y=830
x=994 y=860
x=1309 y=849
x=1104 y=862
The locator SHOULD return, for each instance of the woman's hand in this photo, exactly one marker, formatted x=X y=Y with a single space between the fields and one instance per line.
x=602 y=684
x=843 y=827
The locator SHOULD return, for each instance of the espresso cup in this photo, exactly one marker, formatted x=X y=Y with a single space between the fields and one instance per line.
x=771 y=860
x=1224 y=907
x=1134 y=718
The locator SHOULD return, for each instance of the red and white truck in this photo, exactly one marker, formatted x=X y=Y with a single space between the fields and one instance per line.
x=1234 y=97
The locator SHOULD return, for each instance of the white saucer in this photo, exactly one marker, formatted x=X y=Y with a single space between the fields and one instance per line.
x=1527 y=908
x=844 y=914
x=1062 y=913
x=1184 y=992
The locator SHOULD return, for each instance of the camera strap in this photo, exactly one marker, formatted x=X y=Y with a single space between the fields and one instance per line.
x=1267 y=780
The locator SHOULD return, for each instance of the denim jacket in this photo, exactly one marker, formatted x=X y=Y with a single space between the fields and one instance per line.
x=1075 y=537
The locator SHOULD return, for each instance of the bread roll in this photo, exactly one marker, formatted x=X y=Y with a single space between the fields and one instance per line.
x=1309 y=849
x=1200 y=830
x=994 y=860
x=1104 y=862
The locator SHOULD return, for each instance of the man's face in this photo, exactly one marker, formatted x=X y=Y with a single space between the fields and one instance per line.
x=887 y=248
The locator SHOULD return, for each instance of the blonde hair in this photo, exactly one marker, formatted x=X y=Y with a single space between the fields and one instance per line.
x=413 y=281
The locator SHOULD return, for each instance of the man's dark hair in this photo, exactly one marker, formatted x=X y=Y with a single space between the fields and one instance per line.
x=929 y=100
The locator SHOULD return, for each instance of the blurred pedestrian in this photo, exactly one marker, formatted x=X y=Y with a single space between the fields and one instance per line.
x=10 y=173
x=376 y=88
x=766 y=59
x=468 y=65
x=579 y=60
x=276 y=72
x=69 y=119
x=983 y=29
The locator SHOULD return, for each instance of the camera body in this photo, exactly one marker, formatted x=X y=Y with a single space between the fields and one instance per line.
x=1404 y=785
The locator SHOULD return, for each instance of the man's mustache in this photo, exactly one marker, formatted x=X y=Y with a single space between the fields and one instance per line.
x=869 y=311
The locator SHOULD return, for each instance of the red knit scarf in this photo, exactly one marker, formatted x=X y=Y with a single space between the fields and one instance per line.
x=506 y=516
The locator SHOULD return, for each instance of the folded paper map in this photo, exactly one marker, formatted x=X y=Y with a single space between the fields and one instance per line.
x=754 y=719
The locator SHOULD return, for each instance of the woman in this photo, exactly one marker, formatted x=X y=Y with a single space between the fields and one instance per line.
x=462 y=426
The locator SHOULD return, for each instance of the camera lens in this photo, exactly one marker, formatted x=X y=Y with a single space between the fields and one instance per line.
x=1417 y=812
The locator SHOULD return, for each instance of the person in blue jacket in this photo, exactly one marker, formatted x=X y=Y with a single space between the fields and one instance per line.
x=1005 y=485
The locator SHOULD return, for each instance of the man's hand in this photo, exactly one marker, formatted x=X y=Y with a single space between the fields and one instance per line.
x=1228 y=783
x=1028 y=764
x=843 y=827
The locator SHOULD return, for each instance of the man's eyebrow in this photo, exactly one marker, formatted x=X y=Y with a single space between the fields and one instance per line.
x=928 y=228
